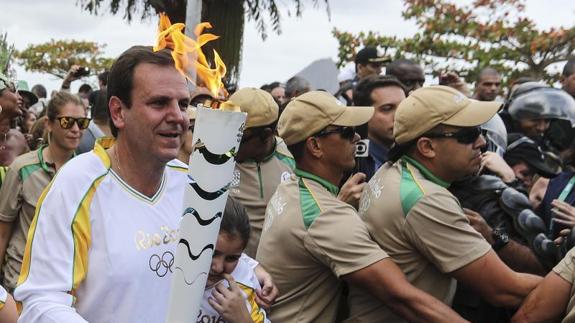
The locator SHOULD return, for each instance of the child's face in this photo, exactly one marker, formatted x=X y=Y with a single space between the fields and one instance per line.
x=228 y=251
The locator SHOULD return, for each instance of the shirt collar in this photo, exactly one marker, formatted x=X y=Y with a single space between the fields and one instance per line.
x=425 y=172
x=48 y=167
x=329 y=186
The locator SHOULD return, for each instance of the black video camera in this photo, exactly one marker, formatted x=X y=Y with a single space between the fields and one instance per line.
x=82 y=71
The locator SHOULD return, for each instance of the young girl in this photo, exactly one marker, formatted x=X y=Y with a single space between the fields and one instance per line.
x=230 y=294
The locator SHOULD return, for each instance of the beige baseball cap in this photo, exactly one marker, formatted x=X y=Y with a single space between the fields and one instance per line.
x=430 y=106
x=260 y=106
x=311 y=112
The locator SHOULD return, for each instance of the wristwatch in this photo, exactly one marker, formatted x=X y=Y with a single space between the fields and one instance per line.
x=500 y=239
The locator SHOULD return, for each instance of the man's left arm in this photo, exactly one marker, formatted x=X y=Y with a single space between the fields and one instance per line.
x=387 y=282
x=517 y=256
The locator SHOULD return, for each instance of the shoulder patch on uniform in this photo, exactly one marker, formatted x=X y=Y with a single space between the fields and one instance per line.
x=310 y=209
x=28 y=170
x=410 y=190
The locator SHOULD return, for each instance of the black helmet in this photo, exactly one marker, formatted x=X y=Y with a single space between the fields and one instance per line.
x=536 y=102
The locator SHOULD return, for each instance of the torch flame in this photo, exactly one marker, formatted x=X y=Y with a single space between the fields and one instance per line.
x=185 y=48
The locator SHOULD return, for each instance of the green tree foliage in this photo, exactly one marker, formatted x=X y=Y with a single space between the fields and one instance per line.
x=464 y=39
x=226 y=16
x=6 y=54
x=56 y=56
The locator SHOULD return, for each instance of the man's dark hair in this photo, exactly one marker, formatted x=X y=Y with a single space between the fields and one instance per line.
x=85 y=88
x=362 y=91
x=297 y=150
x=266 y=87
x=121 y=77
x=569 y=67
x=103 y=78
x=486 y=71
x=40 y=91
x=295 y=86
x=397 y=67
x=100 y=105
x=235 y=221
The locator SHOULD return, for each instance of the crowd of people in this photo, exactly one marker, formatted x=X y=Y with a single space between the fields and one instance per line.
x=388 y=201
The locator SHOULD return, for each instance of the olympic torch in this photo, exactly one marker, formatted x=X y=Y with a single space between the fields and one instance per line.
x=217 y=135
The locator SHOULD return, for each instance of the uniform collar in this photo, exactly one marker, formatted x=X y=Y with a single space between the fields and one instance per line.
x=48 y=167
x=425 y=172
x=329 y=186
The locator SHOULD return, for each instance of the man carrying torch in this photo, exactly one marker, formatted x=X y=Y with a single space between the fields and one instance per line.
x=102 y=244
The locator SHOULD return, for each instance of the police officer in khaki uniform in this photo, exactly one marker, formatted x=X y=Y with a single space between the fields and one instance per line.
x=263 y=160
x=311 y=239
x=411 y=214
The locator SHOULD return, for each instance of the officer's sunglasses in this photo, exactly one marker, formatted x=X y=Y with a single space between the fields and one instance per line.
x=68 y=122
x=464 y=136
x=345 y=132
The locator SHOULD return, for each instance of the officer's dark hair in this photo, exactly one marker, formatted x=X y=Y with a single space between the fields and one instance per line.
x=103 y=78
x=121 y=77
x=85 y=88
x=486 y=71
x=362 y=92
x=297 y=150
x=235 y=221
x=569 y=67
x=396 y=67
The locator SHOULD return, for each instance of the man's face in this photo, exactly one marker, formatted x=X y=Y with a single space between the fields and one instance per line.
x=157 y=120
x=255 y=142
x=278 y=93
x=365 y=70
x=534 y=127
x=338 y=148
x=456 y=159
x=524 y=173
x=9 y=101
x=385 y=101
x=488 y=87
x=569 y=84
x=412 y=77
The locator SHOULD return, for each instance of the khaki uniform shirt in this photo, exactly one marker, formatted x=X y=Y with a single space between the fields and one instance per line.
x=27 y=177
x=566 y=270
x=254 y=184
x=421 y=225
x=309 y=240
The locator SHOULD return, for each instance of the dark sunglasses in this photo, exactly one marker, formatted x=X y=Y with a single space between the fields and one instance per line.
x=345 y=132
x=464 y=136
x=68 y=122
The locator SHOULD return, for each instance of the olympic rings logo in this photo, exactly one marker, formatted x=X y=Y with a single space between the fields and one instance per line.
x=161 y=265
